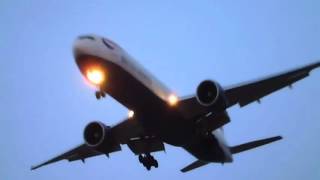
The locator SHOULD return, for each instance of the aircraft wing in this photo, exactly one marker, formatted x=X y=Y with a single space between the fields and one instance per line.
x=252 y=91
x=249 y=92
x=79 y=153
x=127 y=132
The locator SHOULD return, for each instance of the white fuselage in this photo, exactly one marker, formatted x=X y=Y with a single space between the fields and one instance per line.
x=119 y=56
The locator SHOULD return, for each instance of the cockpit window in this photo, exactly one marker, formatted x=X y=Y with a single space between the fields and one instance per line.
x=86 y=37
x=105 y=42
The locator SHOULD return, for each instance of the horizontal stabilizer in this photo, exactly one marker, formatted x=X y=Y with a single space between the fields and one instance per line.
x=253 y=144
x=194 y=165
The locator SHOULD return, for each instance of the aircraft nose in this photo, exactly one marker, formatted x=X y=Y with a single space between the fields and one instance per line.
x=82 y=45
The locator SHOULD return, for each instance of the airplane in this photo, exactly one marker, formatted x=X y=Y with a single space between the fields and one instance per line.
x=157 y=116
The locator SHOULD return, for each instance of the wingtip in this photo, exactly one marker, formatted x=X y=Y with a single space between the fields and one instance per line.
x=32 y=168
x=184 y=170
x=277 y=138
x=316 y=65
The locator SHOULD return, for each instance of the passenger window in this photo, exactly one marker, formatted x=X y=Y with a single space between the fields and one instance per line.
x=86 y=37
x=105 y=42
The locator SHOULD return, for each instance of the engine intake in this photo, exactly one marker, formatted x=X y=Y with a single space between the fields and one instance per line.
x=99 y=136
x=207 y=92
x=210 y=94
x=94 y=133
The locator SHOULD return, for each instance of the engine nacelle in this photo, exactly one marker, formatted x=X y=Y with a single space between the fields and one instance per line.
x=210 y=94
x=98 y=136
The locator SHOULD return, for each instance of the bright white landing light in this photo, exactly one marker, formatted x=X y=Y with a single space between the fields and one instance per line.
x=130 y=114
x=95 y=76
x=173 y=100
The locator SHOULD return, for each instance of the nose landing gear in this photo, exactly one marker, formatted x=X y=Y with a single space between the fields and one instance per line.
x=100 y=94
x=148 y=161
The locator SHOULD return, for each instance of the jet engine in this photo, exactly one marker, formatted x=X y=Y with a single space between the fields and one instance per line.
x=98 y=136
x=210 y=94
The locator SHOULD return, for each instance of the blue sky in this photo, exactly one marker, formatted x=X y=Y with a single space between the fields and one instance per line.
x=45 y=104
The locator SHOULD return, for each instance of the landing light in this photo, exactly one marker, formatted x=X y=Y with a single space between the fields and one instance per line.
x=173 y=100
x=130 y=114
x=95 y=76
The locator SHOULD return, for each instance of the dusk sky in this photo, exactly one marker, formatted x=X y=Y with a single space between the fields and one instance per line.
x=45 y=102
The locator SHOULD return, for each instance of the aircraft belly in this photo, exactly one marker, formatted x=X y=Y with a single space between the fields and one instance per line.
x=176 y=131
x=130 y=92
x=155 y=115
x=123 y=86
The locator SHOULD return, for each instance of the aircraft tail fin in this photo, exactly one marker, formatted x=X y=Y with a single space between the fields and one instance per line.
x=253 y=144
x=193 y=166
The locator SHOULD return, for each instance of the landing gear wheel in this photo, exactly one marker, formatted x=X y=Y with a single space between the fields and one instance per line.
x=98 y=95
x=156 y=164
x=148 y=161
x=141 y=158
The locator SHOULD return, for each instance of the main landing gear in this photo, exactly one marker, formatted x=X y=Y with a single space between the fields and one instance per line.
x=148 y=161
x=100 y=94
